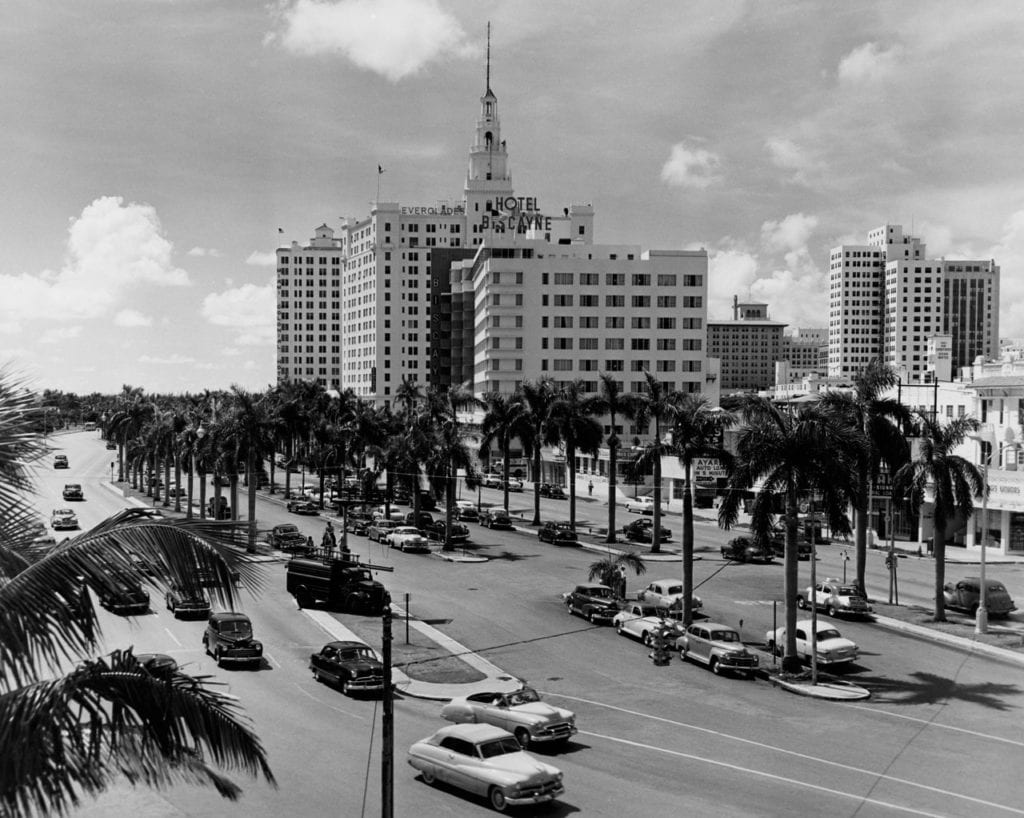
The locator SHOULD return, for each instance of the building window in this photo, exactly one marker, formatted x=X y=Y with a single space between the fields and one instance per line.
x=615 y=301
x=614 y=343
x=641 y=301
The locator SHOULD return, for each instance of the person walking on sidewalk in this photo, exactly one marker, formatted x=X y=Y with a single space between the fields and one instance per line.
x=590 y=488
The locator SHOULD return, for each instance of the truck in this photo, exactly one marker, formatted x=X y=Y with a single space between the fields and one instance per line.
x=340 y=583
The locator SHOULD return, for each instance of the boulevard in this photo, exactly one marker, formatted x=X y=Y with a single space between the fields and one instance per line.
x=941 y=735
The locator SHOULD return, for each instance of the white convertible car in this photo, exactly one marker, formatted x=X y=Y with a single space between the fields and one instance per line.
x=522 y=713
x=487 y=761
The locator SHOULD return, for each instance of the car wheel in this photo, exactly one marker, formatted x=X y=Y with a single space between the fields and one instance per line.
x=831 y=611
x=591 y=618
x=206 y=645
x=619 y=630
x=715 y=667
x=428 y=777
x=647 y=639
x=682 y=653
x=217 y=657
x=497 y=798
x=801 y=603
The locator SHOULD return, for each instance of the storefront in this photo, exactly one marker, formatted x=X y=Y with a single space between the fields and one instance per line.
x=1005 y=513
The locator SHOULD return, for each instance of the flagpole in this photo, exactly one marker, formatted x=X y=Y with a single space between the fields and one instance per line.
x=380 y=172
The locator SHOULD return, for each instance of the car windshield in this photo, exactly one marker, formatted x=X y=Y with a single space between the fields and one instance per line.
x=725 y=636
x=674 y=589
x=287 y=529
x=600 y=593
x=828 y=633
x=848 y=590
x=236 y=627
x=996 y=586
x=499 y=747
x=524 y=696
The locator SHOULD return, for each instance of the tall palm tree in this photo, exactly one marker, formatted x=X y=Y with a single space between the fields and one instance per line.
x=538 y=396
x=504 y=421
x=797 y=454
x=67 y=732
x=696 y=432
x=572 y=424
x=127 y=423
x=880 y=420
x=658 y=404
x=450 y=452
x=952 y=480
x=249 y=432
x=614 y=403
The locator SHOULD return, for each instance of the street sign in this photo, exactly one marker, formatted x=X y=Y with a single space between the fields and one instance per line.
x=708 y=468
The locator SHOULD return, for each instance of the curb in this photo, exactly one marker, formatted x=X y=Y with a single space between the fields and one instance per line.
x=836 y=691
x=950 y=640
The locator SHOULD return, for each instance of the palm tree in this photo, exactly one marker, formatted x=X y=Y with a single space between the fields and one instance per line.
x=880 y=421
x=571 y=422
x=249 y=433
x=127 y=423
x=611 y=570
x=613 y=403
x=953 y=481
x=505 y=420
x=798 y=454
x=696 y=432
x=538 y=395
x=450 y=452
x=67 y=732
x=657 y=404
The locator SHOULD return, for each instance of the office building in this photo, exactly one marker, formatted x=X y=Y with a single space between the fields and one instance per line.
x=748 y=346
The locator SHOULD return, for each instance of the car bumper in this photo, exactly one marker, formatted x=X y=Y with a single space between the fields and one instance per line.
x=370 y=684
x=549 y=793
x=739 y=663
x=128 y=607
x=555 y=732
x=241 y=656
x=197 y=611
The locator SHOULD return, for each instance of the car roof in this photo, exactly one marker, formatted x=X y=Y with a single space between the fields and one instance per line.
x=346 y=644
x=593 y=585
x=716 y=626
x=229 y=616
x=474 y=732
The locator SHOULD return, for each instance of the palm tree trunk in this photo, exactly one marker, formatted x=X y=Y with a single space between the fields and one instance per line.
x=656 y=527
x=939 y=550
x=536 y=483
x=570 y=459
x=202 y=494
x=860 y=534
x=687 y=546
x=791 y=661
x=167 y=478
x=612 y=480
x=250 y=473
x=177 y=482
x=191 y=481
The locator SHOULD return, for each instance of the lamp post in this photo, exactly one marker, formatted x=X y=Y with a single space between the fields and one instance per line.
x=200 y=434
x=984 y=438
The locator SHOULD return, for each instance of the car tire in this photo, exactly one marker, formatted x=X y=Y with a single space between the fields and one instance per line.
x=715 y=667
x=428 y=777
x=801 y=603
x=217 y=657
x=682 y=653
x=646 y=638
x=497 y=799
x=591 y=618
x=619 y=630
x=831 y=611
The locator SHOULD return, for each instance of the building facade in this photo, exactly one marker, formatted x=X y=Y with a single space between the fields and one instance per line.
x=748 y=346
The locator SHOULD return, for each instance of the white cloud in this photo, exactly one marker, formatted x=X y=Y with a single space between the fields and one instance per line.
x=112 y=249
x=258 y=259
x=788 y=155
x=251 y=309
x=791 y=233
x=204 y=251
x=132 y=318
x=393 y=38
x=230 y=352
x=869 y=63
x=1009 y=255
x=731 y=272
x=170 y=360
x=690 y=167
x=56 y=335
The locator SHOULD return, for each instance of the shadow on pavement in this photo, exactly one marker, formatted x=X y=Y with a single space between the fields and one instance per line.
x=930 y=689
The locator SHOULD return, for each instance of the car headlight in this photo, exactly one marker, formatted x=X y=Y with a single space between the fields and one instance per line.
x=558 y=776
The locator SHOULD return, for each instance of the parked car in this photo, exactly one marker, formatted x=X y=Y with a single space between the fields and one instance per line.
x=218 y=511
x=73 y=491
x=642 y=530
x=407 y=538
x=358 y=523
x=717 y=646
x=60 y=461
x=833 y=649
x=965 y=595
x=174 y=490
x=287 y=537
x=111 y=444
x=436 y=531
x=557 y=533
x=303 y=507
x=513 y=484
x=379 y=528
x=835 y=597
x=667 y=593
x=392 y=513
x=595 y=603
x=521 y=712
x=641 y=505
x=486 y=761
x=228 y=638
x=353 y=665
x=641 y=620
x=747 y=549
x=183 y=603
x=491 y=481
x=465 y=512
x=552 y=491
x=422 y=522
x=63 y=519
x=496 y=518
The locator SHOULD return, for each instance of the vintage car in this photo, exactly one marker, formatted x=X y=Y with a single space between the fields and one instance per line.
x=176 y=490
x=835 y=598
x=557 y=533
x=389 y=513
x=466 y=512
x=303 y=507
x=522 y=713
x=641 y=621
x=379 y=529
x=965 y=595
x=491 y=481
x=667 y=593
x=496 y=518
x=111 y=444
x=228 y=638
x=186 y=604
x=287 y=537
x=159 y=665
x=642 y=530
x=73 y=491
x=141 y=564
x=63 y=519
x=595 y=603
x=60 y=461
x=420 y=521
x=552 y=491
x=641 y=505
x=717 y=646
x=353 y=665
x=777 y=543
x=407 y=538
x=747 y=549
x=436 y=531
x=486 y=761
x=357 y=522
x=833 y=649
x=125 y=597
x=512 y=484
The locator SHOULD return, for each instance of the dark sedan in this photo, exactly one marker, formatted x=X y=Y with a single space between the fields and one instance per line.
x=183 y=603
x=557 y=534
x=642 y=530
x=552 y=491
x=353 y=665
x=436 y=531
x=303 y=507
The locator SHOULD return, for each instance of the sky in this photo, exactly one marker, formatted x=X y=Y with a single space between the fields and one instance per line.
x=153 y=151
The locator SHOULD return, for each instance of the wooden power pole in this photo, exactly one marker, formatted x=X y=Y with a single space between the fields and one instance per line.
x=387 y=766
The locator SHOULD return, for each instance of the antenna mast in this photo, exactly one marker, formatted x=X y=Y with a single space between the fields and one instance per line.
x=488 y=88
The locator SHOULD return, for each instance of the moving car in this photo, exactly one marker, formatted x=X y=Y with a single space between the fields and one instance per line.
x=111 y=444
x=833 y=649
x=126 y=598
x=358 y=522
x=965 y=595
x=73 y=491
x=522 y=713
x=595 y=603
x=496 y=518
x=491 y=481
x=557 y=533
x=552 y=491
x=353 y=665
x=777 y=542
x=63 y=519
x=287 y=537
x=641 y=620
x=465 y=512
x=303 y=507
x=642 y=530
x=60 y=461
x=641 y=505
x=667 y=593
x=459 y=534
x=835 y=598
x=159 y=665
x=228 y=638
x=717 y=646
x=747 y=549
x=486 y=761
x=513 y=484
x=407 y=538
x=183 y=603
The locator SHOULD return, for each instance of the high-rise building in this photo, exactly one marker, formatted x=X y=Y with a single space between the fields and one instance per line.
x=887 y=299
x=748 y=347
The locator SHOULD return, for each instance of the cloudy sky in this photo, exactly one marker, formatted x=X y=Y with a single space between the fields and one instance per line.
x=152 y=149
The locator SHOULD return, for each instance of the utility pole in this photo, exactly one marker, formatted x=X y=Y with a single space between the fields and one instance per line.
x=387 y=769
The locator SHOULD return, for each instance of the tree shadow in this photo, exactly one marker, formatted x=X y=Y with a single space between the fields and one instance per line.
x=930 y=688
x=511 y=556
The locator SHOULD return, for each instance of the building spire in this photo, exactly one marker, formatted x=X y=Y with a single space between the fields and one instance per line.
x=488 y=87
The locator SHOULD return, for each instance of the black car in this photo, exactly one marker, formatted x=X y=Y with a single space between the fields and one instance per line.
x=423 y=522
x=183 y=603
x=111 y=444
x=303 y=507
x=557 y=534
x=125 y=598
x=594 y=602
x=436 y=531
x=642 y=530
x=358 y=523
x=73 y=491
x=746 y=549
x=495 y=518
x=159 y=665
x=552 y=491
x=228 y=638
x=287 y=537
x=353 y=665
x=467 y=514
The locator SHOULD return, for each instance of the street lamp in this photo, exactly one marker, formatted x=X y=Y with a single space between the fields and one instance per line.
x=200 y=434
x=984 y=438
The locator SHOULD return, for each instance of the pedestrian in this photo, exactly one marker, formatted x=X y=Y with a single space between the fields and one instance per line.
x=590 y=488
x=309 y=543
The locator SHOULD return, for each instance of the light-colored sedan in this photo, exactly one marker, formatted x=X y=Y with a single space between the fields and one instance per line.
x=486 y=761
x=642 y=621
x=522 y=713
x=641 y=505
x=667 y=593
x=63 y=519
x=717 y=646
x=407 y=538
x=833 y=649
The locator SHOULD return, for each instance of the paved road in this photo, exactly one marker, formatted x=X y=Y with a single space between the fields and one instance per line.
x=939 y=737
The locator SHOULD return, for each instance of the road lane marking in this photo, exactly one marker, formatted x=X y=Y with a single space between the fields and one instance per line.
x=309 y=695
x=863 y=799
x=176 y=642
x=942 y=726
x=782 y=750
